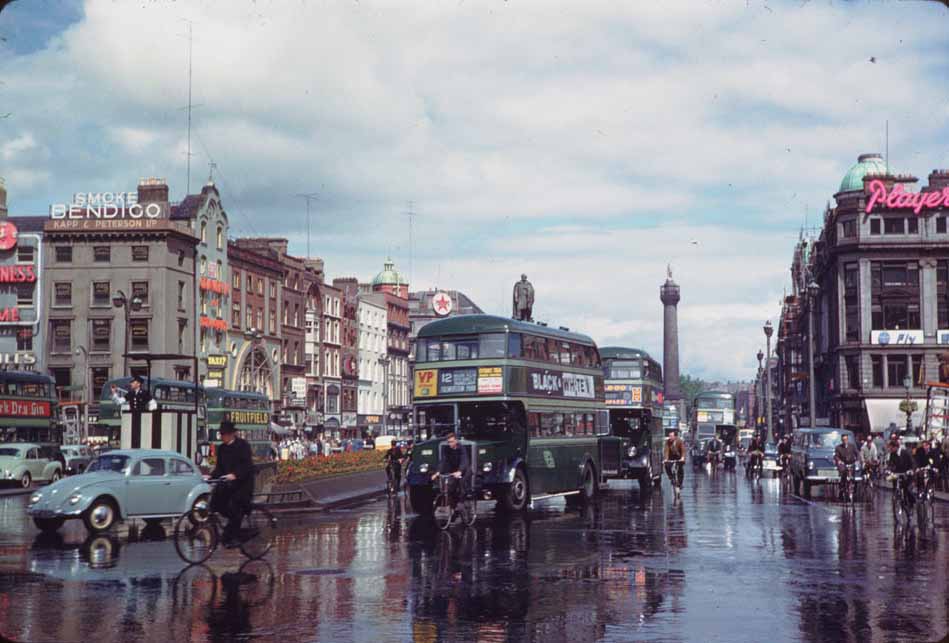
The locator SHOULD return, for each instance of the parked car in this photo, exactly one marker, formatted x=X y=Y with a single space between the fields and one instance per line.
x=23 y=463
x=119 y=485
x=812 y=457
x=77 y=456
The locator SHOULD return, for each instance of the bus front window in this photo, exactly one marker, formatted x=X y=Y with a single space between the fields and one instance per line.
x=490 y=420
x=434 y=421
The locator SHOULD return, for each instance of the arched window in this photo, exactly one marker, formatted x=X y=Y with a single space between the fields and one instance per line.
x=204 y=265
x=220 y=238
x=204 y=231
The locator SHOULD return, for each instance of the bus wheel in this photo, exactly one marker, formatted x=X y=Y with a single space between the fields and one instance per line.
x=516 y=496
x=420 y=497
x=589 y=489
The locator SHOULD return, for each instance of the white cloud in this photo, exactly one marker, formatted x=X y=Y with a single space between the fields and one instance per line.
x=23 y=143
x=586 y=143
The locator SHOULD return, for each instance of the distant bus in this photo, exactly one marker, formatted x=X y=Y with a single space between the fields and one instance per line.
x=525 y=399
x=28 y=408
x=250 y=413
x=633 y=396
x=710 y=408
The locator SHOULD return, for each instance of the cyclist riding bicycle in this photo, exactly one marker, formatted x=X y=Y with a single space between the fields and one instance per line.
x=755 y=453
x=713 y=450
x=784 y=451
x=394 y=458
x=235 y=465
x=845 y=454
x=454 y=463
x=674 y=454
x=900 y=462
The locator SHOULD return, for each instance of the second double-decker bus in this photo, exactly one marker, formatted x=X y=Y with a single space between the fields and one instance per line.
x=250 y=413
x=525 y=399
x=28 y=407
x=709 y=410
x=633 y=389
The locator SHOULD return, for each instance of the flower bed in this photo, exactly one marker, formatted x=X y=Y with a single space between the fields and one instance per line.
x=315 y=467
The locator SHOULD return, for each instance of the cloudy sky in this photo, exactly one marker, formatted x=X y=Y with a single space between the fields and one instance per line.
x=587 y=144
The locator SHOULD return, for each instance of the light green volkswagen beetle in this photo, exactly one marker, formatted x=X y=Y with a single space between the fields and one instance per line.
x=23 y=463
x=119 y=485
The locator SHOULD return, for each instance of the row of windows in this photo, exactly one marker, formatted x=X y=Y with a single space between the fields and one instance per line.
x=100 y=254
x=887 y=370
x=511 y=345
x=219 y=237
x=633 y=370
x=889 y=226
x=100 y=335
x=544 y=425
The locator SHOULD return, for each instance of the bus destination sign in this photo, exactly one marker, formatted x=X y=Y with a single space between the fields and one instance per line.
x=457 y=381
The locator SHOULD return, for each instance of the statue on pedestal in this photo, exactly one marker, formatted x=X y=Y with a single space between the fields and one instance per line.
x=523 y=300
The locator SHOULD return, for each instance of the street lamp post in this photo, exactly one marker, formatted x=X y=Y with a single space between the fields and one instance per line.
x=813 y=290
x=768 y=330
x=759 y=403
x=384 y=362
x=120 y=300
x=908 y=405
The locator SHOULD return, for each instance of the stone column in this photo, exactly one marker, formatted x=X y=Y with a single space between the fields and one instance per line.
x=927 y=291
x=669 y=295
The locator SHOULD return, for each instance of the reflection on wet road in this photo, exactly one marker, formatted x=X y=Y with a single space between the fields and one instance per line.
x=732 y=562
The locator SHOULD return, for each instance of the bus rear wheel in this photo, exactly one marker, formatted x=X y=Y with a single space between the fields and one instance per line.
x=515 y=497
x=421 y=498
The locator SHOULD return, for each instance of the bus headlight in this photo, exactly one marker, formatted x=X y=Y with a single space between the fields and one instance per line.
x=487 y=467
x=423 y=468
x=810 y=464
x=632 y=452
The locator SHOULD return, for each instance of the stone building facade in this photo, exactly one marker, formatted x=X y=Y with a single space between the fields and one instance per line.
x=99 y=268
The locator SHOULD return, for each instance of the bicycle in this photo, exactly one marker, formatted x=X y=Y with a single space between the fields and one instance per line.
x=675 y=475
x=902 y=500
x=198 y=532
x=445 y=510
x=393 y=482
x=925 y=494
x=755 y=466
x=787 y=479
x=847 y=486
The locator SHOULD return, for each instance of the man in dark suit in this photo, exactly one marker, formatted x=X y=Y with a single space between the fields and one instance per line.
x=235 y=465
x=139 y=401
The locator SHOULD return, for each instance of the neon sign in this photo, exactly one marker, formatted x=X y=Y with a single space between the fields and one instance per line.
x=17 y=274
x=105 y=205
x=898 y=198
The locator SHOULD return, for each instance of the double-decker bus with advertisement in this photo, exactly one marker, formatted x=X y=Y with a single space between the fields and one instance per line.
x=526 y=401
x=633 y=396
x=28 y=408
x=710 y=410
x=250 y=413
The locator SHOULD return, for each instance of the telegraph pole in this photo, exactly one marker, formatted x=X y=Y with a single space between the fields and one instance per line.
x=309 y=196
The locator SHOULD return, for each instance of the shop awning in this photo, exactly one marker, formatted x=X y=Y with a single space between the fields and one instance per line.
x=883 y=412
x=278 y=429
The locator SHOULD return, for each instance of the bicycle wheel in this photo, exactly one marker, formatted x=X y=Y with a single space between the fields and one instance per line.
x=469 y=511
x=195 y=542
x=443 y=511
x=258 y=533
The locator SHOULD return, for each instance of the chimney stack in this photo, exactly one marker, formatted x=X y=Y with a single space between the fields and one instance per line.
x=152 y=191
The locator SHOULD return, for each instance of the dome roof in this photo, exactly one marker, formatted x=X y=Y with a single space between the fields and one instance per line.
x=867 y=164
x=389 y=276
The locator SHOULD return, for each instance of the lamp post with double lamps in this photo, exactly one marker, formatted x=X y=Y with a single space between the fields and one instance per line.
x=768 y=330
x=384 y=361
x=813 y=290
x=759 y=401
x=121 y=300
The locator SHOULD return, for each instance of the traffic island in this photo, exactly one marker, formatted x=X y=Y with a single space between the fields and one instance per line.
x=320 y=483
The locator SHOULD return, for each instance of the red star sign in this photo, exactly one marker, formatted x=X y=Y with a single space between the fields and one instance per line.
x=442 y=303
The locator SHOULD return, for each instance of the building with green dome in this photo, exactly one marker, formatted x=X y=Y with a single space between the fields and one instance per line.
x=390 y=281
x=866 y=165
x=876 y=282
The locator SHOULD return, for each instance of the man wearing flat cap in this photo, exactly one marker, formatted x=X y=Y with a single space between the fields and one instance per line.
x=235 y=466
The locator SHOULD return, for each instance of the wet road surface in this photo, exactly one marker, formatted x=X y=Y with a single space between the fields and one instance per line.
x=731 y=562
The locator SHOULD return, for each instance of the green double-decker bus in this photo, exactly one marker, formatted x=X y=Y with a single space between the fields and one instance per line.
x=633 y=389
x=525 y=399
